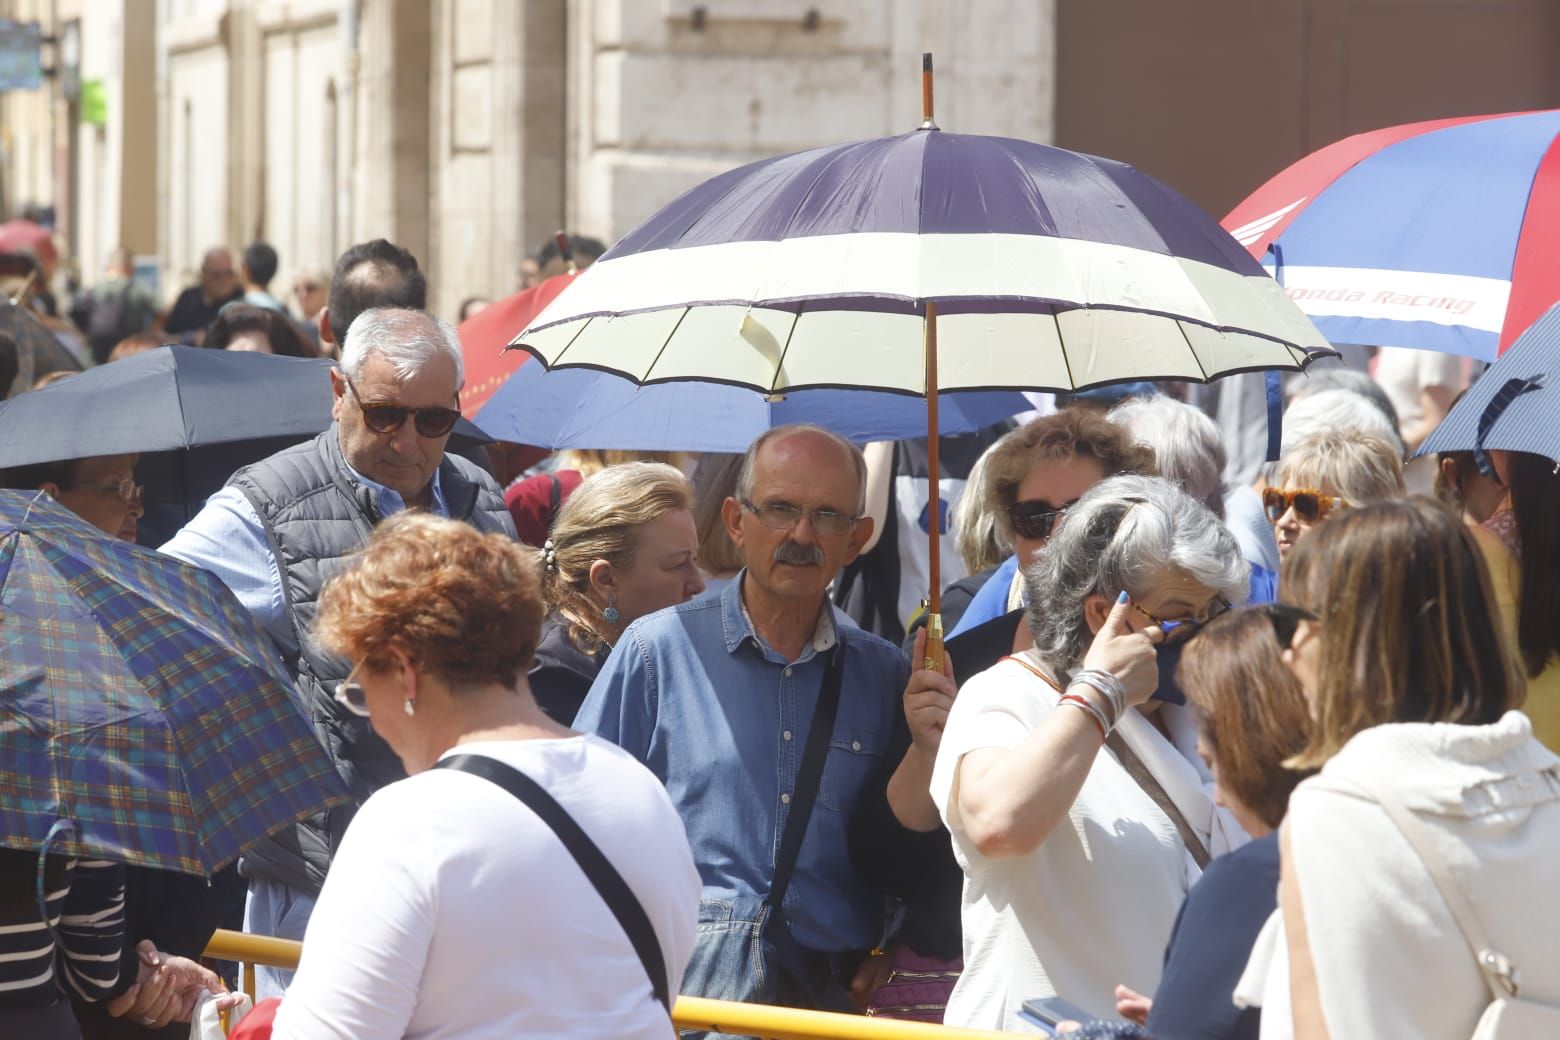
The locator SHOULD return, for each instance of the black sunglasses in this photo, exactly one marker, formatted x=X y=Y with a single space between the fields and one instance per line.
x=1286 y=618
x=1035 y=519
x=388 y=418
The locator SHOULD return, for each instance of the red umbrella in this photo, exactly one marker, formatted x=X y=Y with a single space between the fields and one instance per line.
x=484 y=337
x=17 y=235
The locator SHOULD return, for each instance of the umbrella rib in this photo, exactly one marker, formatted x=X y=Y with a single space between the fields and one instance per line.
x=789 y=335
x=650 y=368
x=1072 y=381
x=1192 y=350
x=558 y=358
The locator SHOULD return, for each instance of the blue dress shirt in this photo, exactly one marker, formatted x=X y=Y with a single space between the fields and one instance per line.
x=722 y=719
x=227 y=538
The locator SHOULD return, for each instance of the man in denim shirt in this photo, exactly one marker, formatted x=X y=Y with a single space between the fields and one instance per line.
x=716 y=697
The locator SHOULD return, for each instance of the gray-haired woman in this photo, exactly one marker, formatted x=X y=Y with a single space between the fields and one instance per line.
x=1079 y=811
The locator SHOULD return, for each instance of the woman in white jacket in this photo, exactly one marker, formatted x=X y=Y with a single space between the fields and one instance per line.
x=1413 y=692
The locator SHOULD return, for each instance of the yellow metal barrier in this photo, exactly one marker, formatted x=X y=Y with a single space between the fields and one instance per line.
x=721 y=1016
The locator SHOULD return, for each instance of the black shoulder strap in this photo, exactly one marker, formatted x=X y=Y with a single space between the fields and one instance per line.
x=810 y=773
x=554 y=499
x=609 y=883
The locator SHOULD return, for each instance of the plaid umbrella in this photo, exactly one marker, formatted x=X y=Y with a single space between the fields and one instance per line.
x=144 y=717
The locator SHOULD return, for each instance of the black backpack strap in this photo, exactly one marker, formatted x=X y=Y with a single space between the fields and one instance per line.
x=614 y=891
x=554 y=499
x=809 y=774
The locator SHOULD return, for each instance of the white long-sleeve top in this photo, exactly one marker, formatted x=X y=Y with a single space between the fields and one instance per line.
x=1390 y=961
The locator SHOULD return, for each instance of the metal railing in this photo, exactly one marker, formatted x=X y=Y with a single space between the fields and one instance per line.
x=720 y=1016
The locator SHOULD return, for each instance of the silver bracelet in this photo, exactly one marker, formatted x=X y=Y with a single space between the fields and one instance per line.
x=1108 y=686
x=1109 y=717
x=1084 y=704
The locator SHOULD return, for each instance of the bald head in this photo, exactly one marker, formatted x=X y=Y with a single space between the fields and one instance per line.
x=218 y=277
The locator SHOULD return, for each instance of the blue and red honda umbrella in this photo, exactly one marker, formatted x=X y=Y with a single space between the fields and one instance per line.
x=1440 y=235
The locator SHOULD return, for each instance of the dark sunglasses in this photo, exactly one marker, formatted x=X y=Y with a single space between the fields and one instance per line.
x=388 y=418
x=1035 y=519
x=1286 y=618
x=1310 y=506
x=352 y=696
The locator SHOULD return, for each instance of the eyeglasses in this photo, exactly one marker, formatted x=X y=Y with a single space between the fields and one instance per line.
x=1286 y=618
x=783 y=516
x=128 y=491
x=1189 y=625
x=1309 y=505
x=306 y=287
x=1036 y=519
x=351 y=695
x=388 y=418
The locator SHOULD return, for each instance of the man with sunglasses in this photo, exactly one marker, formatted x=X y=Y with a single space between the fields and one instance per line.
x=283 y=526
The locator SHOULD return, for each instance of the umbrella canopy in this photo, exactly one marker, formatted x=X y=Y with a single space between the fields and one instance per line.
x=140 y=705
x=1050 y=270
x=38 y=352
x=1515 y=405
x=570 y=408
x=1438 y=235
x=25 y=235
x=196 y=416
x=485 y=337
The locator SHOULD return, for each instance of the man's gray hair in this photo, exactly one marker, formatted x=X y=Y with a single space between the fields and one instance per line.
x=750 y=460
x=1186 y=443
x=1126 y=533
x=407 y=339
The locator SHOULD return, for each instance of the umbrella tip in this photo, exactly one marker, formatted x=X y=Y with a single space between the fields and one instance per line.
x=926 y=92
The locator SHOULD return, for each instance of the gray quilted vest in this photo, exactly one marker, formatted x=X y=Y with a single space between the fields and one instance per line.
x=315 y=516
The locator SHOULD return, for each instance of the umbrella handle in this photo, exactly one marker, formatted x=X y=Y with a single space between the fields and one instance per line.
x=933 y=659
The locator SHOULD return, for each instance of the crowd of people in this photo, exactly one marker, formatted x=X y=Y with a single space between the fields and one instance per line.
x=1206 y=755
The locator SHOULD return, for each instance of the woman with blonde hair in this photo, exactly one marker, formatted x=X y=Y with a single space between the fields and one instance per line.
x=459 y=903
x=1327 y=472
x=1433 y=792
x=534 y=501
x=624 y=545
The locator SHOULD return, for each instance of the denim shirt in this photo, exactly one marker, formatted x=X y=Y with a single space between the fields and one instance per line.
x=722 y=720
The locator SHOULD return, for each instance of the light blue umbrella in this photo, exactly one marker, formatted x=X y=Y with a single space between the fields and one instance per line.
x=578 y=408
x=1515 y=405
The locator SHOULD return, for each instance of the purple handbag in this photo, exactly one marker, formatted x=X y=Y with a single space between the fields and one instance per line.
x=917 y=988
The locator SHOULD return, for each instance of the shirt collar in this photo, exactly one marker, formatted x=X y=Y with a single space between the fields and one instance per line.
x=389 y=501
x=738 y=623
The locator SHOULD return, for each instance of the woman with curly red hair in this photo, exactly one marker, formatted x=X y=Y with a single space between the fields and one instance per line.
x=457 y=902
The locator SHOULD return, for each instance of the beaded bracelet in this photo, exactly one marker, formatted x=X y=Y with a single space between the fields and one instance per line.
x=1093 y=712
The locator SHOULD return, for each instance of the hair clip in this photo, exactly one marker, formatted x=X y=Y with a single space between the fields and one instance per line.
x=549 y=555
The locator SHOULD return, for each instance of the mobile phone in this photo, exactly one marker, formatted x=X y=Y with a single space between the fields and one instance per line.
x=1049 y=1012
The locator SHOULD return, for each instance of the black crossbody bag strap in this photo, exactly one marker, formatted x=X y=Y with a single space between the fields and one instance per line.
x=614 y=891
x=809 y=774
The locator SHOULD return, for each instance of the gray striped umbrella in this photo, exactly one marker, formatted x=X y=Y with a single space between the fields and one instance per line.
x=1515 y=405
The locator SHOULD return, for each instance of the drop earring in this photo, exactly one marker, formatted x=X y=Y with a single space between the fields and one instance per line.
x=611 y=615
x=408 y=708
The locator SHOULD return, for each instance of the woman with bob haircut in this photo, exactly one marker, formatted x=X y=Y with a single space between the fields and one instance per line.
x=1413 y=691
x=451 y=908
x=1327 y=472
x=624 y=546
x=1077 y=807
x=1252 y=718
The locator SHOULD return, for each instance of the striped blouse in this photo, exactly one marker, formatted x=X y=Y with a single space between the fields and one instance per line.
x=86 y=911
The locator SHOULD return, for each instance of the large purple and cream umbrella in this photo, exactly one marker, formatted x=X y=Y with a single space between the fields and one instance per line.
x=921 y=263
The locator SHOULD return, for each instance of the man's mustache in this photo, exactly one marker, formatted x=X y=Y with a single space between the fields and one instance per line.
x=799 y=555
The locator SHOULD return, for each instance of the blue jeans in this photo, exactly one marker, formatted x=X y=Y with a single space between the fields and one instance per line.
x=279 y=910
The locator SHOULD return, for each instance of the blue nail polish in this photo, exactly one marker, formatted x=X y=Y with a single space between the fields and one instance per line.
x=1123 y=597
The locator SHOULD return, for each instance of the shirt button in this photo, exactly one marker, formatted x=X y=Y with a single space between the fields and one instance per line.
x=785 y=799
x=786 y=735
x=788 y=672
x=855 y=745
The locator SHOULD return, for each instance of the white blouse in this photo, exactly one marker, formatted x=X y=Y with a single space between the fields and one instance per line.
x=1094 y=904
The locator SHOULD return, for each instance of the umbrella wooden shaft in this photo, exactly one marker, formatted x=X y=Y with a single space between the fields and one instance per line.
x=934 y=650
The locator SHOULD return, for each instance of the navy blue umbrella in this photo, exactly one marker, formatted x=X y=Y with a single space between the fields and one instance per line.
x=1515 y=405
x=194 y=415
